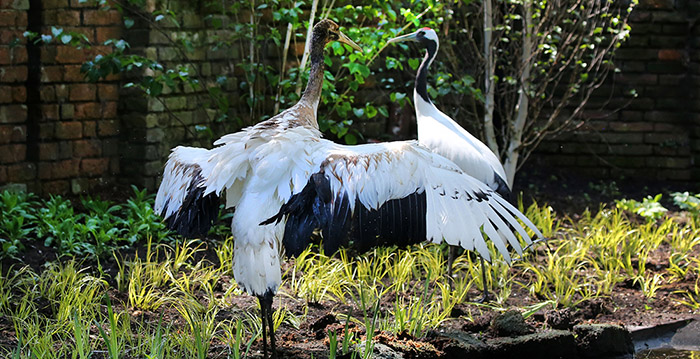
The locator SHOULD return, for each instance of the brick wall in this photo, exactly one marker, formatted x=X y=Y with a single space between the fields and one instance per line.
x=58 y=132
x=13 y=94
x=154 y=126
x=655 y=134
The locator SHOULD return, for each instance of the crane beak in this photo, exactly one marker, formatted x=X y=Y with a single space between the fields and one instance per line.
x=346 y=40
x=408 y=37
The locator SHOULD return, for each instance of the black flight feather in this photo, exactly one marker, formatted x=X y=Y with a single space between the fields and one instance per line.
x=398 y=221
x=197 y=213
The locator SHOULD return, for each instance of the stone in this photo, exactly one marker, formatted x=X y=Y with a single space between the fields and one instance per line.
x=510 y=323
x=602 y=340
x=545 y=344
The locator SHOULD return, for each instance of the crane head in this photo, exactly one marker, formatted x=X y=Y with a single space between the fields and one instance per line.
x=423 y=36
x=330 y=31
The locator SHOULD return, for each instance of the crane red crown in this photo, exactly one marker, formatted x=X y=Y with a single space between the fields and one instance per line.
x=426 y=28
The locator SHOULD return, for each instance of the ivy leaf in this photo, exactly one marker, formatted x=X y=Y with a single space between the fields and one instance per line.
x=358 y=112
x=128 y=23
x=371 y=111
x=66 y=38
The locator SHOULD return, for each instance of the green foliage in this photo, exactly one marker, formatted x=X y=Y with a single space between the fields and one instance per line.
x=687 y=201
x=649 y=208
x=17 y=221
x=95 y=231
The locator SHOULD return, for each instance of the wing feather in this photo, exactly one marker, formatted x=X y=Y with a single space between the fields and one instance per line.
x=399 y=193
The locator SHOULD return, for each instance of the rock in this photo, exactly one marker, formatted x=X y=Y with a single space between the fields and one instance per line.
x=382 y=351
x=688 y=336
x=323 y=322
x=545 y=344
x=510 y=323
x=559 y=319
x=459 y=345
x=597 y=340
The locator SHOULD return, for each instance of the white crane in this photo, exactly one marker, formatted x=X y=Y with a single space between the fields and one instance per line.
x=285 y=181
x=446 y=137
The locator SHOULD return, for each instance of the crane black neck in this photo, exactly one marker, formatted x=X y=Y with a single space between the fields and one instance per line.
x=422 y=78
x=312 y=93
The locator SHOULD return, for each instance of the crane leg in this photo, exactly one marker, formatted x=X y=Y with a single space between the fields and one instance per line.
x=451 y=254
x=267 y=324
x=485 y=298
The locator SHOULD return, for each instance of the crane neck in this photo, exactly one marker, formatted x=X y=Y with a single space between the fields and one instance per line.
x=312 y=93
x=422 y=78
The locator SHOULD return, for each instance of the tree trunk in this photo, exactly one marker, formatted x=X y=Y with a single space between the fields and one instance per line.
x=287 y=40
x=522 y=107
x=489 y=75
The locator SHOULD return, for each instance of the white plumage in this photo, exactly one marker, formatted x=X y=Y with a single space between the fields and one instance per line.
x=442 y=134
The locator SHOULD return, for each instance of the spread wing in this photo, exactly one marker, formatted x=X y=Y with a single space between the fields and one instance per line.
x=397 y=193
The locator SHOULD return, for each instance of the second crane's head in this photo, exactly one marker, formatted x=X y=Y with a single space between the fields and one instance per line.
x=425 y=36
x=326 y=31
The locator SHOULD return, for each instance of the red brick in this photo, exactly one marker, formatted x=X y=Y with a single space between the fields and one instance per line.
x=114 y=166
x=69 y=130
x=89 y=129
x=82 y=92
x=13 y=74
x=5 y=94
x=55 y=187
x=72 y=73
x=69 y=55
x=49 y=112
x=47 y=151
x=19 y=55
x=47 y=131
x=109 y=110
x=53 y=4
x=45 y=169
x=94 y=166
x=6 y=36
x=3 y=174
x=48 y=54
x=52 y=73
x=13 y=153
x=107 y=128
x=21 y=20
x=108 y=91
x=105 y=33
x=21 y=172
x=87 y=110
x=5 y=135
x=47 y=94
x=67 y=111
x=13 y=134
x=19 y=94
x=5 y=57
x=67 y=17
x=101 y=17
x=670 y=55
x=8 y=17
x=66 y=168
x=87 y=148
x=13 y=113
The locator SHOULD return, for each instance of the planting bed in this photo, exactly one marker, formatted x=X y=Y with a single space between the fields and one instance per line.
x=177 y=298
